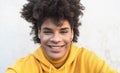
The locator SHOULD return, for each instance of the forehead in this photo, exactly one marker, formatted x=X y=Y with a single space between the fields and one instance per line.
x=49 y=23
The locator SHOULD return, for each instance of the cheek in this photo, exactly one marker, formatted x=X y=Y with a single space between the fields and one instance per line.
x=67 y=39
x=44 y=38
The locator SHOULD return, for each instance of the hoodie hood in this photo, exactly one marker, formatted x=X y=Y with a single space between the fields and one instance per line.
x=46 y=66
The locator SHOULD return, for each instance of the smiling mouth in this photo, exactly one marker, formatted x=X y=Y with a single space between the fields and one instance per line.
x=56 y=48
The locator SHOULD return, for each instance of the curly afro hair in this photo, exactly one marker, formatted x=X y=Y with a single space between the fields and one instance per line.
x=36 y=11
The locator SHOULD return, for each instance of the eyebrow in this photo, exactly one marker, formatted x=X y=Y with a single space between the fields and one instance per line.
x=46 y=28
x=64 y=28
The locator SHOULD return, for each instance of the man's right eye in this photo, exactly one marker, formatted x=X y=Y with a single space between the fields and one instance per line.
x=47 y=32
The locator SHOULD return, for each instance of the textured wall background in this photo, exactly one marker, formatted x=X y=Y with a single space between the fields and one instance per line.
x=100 y=31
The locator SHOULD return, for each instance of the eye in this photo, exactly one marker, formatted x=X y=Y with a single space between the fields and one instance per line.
x=64 y=32
x=47 y=32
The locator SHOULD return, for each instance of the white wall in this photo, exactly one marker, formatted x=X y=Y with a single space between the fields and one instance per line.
x=100 y=31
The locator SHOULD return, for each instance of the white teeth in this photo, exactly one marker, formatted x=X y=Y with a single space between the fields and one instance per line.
x=55 y=47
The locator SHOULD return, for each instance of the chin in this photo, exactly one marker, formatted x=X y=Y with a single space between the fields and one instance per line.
x=56 y=56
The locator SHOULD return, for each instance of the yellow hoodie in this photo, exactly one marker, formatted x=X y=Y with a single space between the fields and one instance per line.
x=79 y=60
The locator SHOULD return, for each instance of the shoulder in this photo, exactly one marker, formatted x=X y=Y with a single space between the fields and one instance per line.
x=89 y=57
x=81 y=51
x=25 y=61
x=86 y=54
x=92 y=62
x=23 y=64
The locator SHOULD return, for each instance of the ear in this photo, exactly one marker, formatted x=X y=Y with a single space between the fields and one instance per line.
x=72 y=35
x=39 y=34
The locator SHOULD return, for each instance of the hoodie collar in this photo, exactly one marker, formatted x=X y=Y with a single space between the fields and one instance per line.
x=41 y=58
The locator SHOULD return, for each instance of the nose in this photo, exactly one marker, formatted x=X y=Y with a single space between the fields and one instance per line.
x=56 y=38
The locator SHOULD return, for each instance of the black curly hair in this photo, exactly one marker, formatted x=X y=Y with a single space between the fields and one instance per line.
x=36 y=11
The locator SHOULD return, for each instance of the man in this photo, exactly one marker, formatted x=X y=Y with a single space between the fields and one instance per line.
x=55 y=27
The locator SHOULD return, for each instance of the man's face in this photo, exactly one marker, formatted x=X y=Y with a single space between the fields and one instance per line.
x=55 y=40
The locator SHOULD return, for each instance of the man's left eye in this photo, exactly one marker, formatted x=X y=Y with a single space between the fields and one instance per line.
x=64 y=32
